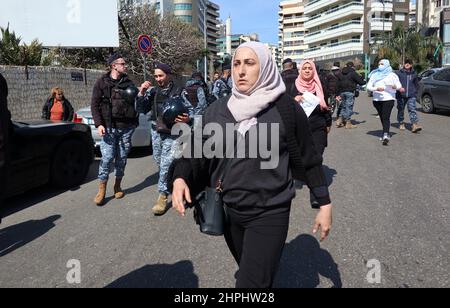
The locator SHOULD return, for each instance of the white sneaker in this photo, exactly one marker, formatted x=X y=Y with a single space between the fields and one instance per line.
x=386 y=139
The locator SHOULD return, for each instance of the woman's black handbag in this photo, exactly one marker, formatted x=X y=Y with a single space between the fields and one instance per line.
x=209 y=210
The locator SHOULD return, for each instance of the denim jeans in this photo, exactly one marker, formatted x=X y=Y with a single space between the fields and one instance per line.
x=115 y=147
x=401 y=105
x=348 y=101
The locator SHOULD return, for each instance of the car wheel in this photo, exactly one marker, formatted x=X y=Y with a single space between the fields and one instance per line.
x=427 y=104
x=70 y=164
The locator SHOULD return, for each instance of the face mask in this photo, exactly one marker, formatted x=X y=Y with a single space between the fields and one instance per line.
x=381 y=67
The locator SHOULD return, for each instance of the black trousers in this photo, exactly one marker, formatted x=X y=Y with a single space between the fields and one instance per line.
x=256 y=238
x=384 y=111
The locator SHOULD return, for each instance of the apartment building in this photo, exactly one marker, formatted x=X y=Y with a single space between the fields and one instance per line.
x=291 y=30
x=275 y=51
x=234 y=41
x=340 y=29
x=413 y=15
x=429 y=11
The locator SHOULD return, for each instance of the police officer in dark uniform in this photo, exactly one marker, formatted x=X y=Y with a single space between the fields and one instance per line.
x=153 y=99
x=115 y=117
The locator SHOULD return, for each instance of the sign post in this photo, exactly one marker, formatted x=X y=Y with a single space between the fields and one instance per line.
x=145 y=45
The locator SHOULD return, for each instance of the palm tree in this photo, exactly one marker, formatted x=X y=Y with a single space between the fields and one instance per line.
x=402 y=44
x=13 y=53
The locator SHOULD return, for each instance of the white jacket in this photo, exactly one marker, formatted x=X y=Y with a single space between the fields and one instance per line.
x=387 y=84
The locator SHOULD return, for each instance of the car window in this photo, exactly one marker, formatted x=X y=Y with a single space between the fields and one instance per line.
x=427 y=74
x=443 y=75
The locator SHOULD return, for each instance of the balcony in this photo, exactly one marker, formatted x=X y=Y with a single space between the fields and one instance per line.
x=335 y=50
x=380 y=24
x=377 y=6
x=295 y=20
x=342 y=12
x=316 y=6
x=346 y=29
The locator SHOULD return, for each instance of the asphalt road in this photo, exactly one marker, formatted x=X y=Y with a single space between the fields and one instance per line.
x=391 y=209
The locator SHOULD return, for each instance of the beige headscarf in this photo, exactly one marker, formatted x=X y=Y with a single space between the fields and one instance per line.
x=269 y=87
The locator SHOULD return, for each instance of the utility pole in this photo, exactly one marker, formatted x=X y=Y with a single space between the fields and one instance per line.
x=206 y=43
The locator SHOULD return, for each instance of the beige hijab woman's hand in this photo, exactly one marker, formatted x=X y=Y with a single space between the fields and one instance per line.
x=180 y=195
x=324 y=220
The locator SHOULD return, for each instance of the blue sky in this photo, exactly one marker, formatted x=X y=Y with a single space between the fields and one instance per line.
x=252 y=16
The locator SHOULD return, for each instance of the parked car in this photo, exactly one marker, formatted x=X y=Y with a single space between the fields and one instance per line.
x=434 y=92
x=141 y=137
x=44 y=151
x=428 y=73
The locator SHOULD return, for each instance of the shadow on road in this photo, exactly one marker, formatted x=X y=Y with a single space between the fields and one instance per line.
x=378 y=133
x=147 y=183
x=15 y=237
x=329 y=173
x=179 y=275
x=37 y=195
x=302 y=264
x=438 y=112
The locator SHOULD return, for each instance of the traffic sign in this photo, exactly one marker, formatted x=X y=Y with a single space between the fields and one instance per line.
x=145 y=44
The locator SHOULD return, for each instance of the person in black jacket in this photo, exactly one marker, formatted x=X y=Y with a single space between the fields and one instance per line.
x=332 y=82
x=257 y=199
x=115 y=117
x=320 y=120
x=5 y=128
x=153 y=99
x=347 y=87
x=290 y=71
x=57 y=107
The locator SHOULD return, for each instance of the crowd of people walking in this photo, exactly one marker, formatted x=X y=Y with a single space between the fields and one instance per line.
x=249 y=93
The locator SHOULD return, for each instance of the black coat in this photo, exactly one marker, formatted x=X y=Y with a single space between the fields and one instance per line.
x=319 y=121
x=67 y=107
x=289 y=76
x=349 y=79
x=101 y=105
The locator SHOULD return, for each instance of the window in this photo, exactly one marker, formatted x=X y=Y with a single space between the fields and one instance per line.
x=443 y=75
x=185 y=18
x=183 y=7
x=446 y=33
x=400 y=17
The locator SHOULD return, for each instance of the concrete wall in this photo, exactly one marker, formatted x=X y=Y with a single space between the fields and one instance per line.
x=28 y=95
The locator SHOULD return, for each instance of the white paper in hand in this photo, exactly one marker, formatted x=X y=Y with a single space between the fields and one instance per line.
x=310 y=103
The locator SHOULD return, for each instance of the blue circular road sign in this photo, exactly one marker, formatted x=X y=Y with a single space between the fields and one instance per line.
x=145 y=44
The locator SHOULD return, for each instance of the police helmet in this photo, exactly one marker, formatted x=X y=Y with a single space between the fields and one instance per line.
x=130 y=94
x=172 y=109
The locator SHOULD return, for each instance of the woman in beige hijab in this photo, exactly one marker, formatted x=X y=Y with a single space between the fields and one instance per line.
x=257 y=200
